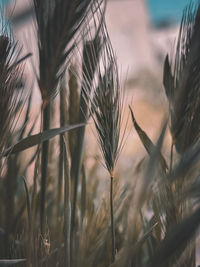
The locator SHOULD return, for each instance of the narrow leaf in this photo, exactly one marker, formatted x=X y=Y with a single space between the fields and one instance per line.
x=147 y=143
x=36 y=139
x=5 y=263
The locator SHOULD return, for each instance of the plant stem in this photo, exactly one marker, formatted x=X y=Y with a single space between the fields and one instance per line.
x=83 y=195
x=77 y=157
x=44 y=163
x=171 y=158
x=60 y=177
x=63 y=120
x=76 y=170
x=67 y=206
x=112 y=219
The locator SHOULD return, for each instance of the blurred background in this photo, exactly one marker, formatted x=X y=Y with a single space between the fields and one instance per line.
x=142 y=32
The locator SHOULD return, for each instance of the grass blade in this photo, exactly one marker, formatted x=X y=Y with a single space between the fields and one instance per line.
x=147 y=143
x=5 y=263
x=38 y=138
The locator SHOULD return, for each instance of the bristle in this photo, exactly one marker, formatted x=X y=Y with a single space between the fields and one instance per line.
x=107 y=114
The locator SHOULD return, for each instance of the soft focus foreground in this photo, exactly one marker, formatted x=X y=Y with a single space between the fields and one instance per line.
x=99 y=166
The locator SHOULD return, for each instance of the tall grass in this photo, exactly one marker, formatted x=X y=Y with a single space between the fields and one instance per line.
x=106 y=113
x=62 y=213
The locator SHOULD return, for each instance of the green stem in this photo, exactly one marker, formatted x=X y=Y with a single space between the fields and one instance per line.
x=77 y=157
x=63 y=121
x=60 y=177
x=44 y=163
x=67 y=207
x=171 y=158
x=83 y=195
x=76 y=170
x=112 y=219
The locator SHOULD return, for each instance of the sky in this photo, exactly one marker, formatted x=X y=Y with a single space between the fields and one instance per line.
x=4 y=1
x=161 y=10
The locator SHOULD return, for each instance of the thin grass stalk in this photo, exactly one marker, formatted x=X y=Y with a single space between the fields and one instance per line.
x=63 y=121
x=67 y=207
x=33 y=205
x=26 y=116
x=44 y=167
x=28 y=207
x=77 y=160
x=28 y=204
x=60 y=176
x=91 y=51
x=171 y=158
x=35 y=174
x=10 y=190
x=73 y=112
x=75 y=142
x=112 y=220
x=83 y=195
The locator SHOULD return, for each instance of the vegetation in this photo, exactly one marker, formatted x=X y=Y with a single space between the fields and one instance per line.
x=51 y=210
